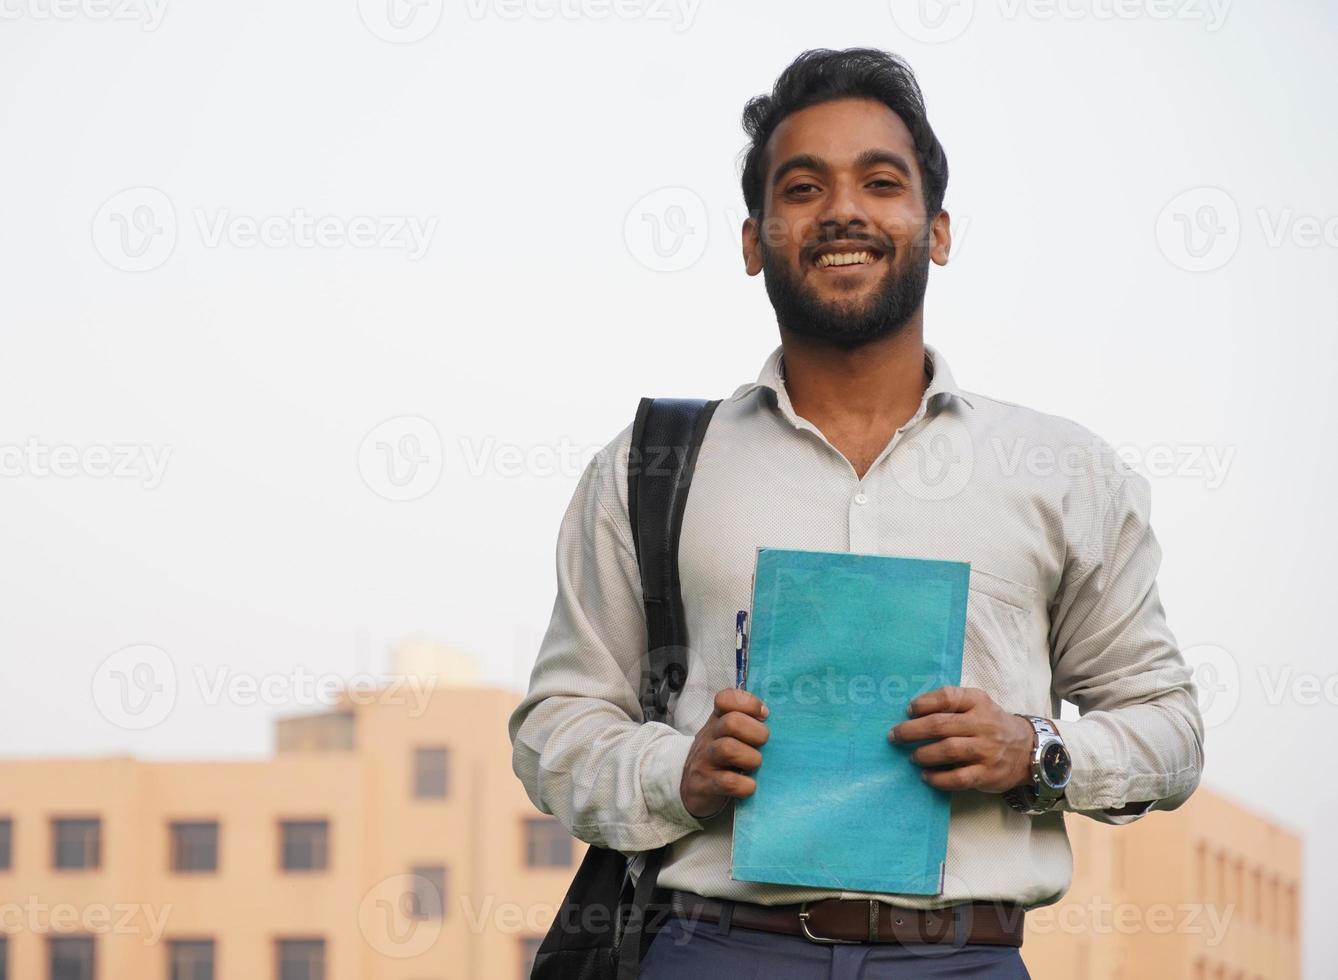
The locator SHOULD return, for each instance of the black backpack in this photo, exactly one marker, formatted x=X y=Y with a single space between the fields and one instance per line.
x=600 y=930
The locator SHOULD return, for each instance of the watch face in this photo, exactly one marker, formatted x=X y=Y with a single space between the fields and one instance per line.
x=1055 y=765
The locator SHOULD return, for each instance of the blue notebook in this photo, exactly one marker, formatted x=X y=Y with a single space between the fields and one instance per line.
x=840 y=644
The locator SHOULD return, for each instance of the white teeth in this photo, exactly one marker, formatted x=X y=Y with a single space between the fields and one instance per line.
x=844 y=258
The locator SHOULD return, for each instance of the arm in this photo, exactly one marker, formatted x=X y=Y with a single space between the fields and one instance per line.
x=578 y=743
x=1138 y=744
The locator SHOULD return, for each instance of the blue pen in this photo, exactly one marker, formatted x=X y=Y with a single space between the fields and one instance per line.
x=740 y=649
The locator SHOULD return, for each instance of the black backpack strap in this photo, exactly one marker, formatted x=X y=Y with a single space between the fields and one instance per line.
x=666 y=440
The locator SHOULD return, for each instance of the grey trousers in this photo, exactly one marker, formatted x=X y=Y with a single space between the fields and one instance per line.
x=693 y=950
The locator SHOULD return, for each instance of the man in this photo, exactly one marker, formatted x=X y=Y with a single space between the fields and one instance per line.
x=855 y=437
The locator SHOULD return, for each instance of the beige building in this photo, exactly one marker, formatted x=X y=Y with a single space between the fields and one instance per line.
x=389 y=840
x=1211 y=891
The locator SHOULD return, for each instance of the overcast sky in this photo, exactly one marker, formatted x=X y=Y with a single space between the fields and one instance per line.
x=312 y=314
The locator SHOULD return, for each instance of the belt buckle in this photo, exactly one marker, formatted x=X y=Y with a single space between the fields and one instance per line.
x=813 y=937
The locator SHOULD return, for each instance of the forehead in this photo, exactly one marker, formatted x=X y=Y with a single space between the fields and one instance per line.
x=838 y=131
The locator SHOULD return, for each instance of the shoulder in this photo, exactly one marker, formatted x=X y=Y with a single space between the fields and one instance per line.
x=1016 y=437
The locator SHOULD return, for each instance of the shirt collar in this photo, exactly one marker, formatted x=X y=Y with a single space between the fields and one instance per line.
x=941 y=382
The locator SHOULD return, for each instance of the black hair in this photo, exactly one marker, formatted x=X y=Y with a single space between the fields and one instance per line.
x=822 y=75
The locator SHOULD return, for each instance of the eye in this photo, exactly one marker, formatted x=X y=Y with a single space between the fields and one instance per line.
x=796 y=188
x=883 y=181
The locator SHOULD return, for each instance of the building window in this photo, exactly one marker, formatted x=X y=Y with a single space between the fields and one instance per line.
x=529 y=946
x=428 y=898
x=77 y=844
x=305 y=845
x=71 y=957
x=431 y=773
x=195 y=847
x=190 y=959
x=6 y=848
x=301 y=959
x=547 y=843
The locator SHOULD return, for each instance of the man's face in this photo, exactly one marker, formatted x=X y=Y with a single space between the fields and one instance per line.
x=844 y=243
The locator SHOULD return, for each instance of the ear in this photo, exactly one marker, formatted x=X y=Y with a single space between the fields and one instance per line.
x=752 y=247
x=940 y=238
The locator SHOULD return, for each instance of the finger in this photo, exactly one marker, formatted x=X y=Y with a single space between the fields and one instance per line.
x=735 y=699
x=948 y=751
x=936 y=726
x=730 y=753
x=746 y=729
x=963 y=777
x=948 y=698
x=727 y=783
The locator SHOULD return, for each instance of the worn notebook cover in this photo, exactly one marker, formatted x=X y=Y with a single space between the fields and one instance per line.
x=840 y=644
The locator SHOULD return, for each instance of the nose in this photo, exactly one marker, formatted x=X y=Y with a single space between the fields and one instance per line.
x=842 y=207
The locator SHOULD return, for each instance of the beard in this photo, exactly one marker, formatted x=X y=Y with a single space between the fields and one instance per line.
x=848 y=324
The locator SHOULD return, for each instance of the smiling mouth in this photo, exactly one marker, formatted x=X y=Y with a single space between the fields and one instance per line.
x=844 y=260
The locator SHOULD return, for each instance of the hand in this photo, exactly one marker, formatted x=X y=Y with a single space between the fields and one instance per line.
x=723 y=751
x=988 y=748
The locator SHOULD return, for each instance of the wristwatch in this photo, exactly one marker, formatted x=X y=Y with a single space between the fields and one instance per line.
x=1050 y=770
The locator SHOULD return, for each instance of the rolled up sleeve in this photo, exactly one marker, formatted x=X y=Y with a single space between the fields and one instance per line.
x=578 y=742
x=1140 y=735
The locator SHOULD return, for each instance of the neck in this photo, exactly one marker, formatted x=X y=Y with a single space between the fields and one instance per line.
x=880 y=383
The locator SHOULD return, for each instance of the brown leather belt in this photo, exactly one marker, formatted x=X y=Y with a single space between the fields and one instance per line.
x=861 y=920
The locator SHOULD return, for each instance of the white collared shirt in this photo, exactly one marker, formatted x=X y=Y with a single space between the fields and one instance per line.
x=1062 y=604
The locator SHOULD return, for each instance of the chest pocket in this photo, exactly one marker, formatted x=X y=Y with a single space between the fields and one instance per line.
x=994 y=656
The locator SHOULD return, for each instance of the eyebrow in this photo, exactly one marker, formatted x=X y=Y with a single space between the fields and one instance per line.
x=868 y=158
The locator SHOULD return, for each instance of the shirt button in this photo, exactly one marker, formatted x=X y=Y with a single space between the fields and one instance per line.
x=860 y=498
